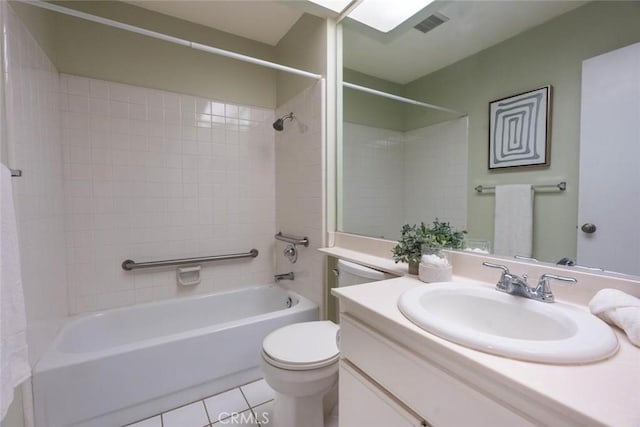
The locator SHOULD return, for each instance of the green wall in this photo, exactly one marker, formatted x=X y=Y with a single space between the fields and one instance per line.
x=550 y=54
x=88 y=49
x=372 y=110
x=303 y=47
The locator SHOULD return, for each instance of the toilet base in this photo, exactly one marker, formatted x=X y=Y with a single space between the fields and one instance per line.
x=305 y=411
x=302 y=398
x=296 y=412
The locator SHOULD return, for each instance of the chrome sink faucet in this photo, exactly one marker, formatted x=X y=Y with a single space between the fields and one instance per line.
x=517 y=285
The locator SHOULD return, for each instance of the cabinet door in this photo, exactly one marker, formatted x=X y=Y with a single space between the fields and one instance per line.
x=364 y=403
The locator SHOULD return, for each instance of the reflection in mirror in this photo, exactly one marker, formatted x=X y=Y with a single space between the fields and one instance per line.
x=483 y=52
x=391 y=177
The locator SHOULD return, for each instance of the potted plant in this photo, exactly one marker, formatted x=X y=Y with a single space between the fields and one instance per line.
x=445 y=236
x=414 y=237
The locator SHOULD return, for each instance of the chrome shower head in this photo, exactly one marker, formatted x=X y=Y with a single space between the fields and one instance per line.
x=279 y=124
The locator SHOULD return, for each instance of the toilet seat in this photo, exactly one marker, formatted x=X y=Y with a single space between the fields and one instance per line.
x=302 y=346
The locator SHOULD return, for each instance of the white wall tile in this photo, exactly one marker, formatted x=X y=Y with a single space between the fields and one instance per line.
x=391 y=178
x=373 y=182
x=443 y=182
x=144 y=187
x=33 y=130
x=298 y=174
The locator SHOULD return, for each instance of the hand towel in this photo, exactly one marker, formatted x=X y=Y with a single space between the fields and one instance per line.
x=14 y=360
x=620 y=309
x=513 y=228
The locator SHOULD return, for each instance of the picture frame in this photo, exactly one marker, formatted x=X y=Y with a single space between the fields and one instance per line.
x=519 y=130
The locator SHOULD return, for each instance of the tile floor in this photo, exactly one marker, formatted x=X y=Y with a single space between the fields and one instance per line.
x=247 y=405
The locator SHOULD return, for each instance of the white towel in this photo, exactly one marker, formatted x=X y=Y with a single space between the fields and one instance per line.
x=14 y=360
x=620 y=309
x=513 y=230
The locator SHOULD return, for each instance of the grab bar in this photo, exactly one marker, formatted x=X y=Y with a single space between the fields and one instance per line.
x=304 y=241
x=129 y=264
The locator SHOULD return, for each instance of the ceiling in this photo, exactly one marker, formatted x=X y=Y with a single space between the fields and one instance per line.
x=265 y=21
x=472 y=27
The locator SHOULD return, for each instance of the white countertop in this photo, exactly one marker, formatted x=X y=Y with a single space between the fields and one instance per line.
x=606 y=392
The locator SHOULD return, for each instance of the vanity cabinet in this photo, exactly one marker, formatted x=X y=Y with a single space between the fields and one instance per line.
x=381 y=378
x=368 y=404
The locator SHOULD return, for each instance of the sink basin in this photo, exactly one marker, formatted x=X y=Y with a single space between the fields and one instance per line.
x=485 y=319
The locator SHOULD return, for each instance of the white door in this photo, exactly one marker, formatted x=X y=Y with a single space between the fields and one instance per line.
x=610 y=162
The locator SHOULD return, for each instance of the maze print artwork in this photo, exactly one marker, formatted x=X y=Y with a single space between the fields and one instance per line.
x=518 y=130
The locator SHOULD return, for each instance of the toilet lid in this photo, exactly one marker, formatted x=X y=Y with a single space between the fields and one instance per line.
x=303 y=345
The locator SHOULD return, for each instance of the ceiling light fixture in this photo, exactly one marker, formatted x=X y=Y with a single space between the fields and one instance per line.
x=381 y=15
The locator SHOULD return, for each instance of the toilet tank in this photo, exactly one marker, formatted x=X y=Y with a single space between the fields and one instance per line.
x=350 y=273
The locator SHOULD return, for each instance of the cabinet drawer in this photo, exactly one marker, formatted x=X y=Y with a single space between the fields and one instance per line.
x=363 y=403
x=429 y=391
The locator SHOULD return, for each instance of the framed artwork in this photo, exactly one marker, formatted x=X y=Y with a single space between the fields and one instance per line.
x=519 y=130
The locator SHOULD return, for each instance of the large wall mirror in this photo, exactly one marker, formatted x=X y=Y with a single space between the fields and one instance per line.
x=402 y=163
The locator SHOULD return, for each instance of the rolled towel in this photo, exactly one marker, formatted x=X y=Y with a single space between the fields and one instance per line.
x=620 y=309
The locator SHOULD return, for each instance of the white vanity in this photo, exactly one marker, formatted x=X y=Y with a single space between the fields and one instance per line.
x=393 y=373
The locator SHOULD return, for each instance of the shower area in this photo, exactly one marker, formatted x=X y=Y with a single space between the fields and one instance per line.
x=142 y=148
x=401 y=163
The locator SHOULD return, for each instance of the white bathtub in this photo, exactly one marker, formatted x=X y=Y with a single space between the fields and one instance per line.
x=115 y=367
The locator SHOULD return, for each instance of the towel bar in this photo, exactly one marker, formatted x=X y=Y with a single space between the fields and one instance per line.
x=561 y=186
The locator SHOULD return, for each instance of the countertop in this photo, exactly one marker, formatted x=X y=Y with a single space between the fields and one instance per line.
x=605 y=392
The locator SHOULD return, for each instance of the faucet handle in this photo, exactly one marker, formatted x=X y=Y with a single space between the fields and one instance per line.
x=504 y=269
x=544 y=290
x=504 y=278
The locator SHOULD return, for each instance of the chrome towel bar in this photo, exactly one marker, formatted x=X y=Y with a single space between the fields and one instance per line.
x=132 y=265
x=561 y=186
x=304 y=241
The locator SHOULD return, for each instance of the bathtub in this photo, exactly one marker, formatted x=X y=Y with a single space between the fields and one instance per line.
x=115 y=367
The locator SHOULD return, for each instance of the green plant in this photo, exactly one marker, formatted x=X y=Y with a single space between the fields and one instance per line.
x=445 y=236
x=414 y=237
x=409 y=247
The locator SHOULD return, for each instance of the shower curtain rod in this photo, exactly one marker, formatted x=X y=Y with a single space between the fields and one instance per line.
x=400 y=98
x=170 y=39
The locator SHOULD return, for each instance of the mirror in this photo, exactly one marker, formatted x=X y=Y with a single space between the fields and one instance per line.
x=481 y=52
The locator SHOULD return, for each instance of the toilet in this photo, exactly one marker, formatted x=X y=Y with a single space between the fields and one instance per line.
x=300 y=361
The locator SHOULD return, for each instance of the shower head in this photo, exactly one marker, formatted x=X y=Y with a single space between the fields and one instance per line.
x=279 y=124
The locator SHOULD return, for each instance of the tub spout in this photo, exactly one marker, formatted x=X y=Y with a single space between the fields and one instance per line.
x=284 y=276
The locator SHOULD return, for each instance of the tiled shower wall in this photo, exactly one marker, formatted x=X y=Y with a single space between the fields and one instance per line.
x=435 y=164
x=391 y=177
x=33 y=139
x=299 y=184
x=373 y=180
x=152 y=175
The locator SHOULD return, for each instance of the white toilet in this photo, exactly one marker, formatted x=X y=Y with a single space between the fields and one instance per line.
x=300 y=361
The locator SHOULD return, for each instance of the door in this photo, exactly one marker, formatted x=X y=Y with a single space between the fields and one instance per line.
x=609 y=197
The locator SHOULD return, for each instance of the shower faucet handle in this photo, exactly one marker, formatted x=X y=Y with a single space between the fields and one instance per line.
x=291 y=253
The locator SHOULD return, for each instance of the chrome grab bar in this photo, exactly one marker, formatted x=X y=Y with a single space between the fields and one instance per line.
x=304 y=241
x=129 y=264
